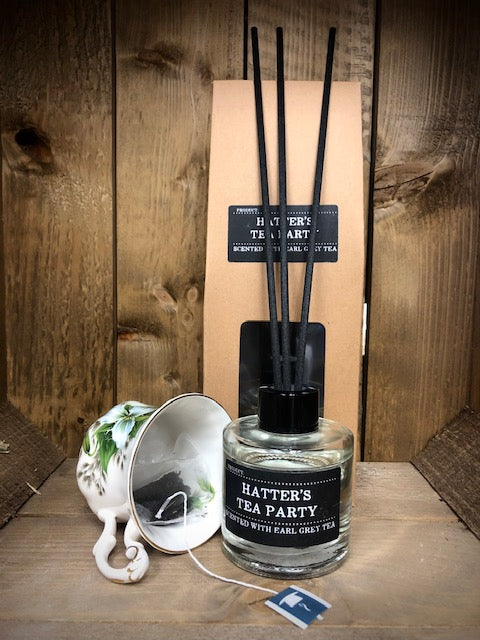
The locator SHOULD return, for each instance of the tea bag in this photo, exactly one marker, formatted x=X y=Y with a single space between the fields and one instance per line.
x=182 y=471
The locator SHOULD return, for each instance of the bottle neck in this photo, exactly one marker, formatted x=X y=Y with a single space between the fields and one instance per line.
x=288 y=412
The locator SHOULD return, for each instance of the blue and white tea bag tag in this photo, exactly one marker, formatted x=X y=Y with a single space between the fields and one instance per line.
x=299 y=606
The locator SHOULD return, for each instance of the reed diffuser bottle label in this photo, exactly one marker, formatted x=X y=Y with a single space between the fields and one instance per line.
x=282 y=509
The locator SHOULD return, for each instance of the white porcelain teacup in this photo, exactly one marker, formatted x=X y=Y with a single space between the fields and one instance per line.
x=139 y=463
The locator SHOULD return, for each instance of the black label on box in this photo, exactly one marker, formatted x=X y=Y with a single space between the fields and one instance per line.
x=282 y=509
x=246 y=233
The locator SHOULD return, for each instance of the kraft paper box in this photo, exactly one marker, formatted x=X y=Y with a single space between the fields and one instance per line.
x=235 y=286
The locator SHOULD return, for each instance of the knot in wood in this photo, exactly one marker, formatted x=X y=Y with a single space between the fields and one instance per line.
x=192 y=294
x=165 y=298
x=165 y=57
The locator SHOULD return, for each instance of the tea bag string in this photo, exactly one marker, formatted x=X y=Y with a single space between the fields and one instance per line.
x=201 y=566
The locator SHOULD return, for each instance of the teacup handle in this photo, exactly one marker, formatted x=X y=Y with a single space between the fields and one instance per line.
x=135 y=551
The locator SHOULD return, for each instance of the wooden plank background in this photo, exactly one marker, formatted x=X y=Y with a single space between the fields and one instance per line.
x=425 y=242
x=105 y=112
x=56 y=111
x=168 y=53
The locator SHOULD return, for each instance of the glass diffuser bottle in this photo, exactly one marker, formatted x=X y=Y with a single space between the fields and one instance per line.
x=287 y=488
x=288 y=473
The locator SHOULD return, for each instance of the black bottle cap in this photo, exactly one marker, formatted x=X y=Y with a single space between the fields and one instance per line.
x=288 y=411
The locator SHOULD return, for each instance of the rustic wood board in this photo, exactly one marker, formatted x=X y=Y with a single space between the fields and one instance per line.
x=28 y=460
x=168 y=53
x=381 y=492
x=425 y=240
x=55 y=100
x=474 y=399
x=451 y=463
x=411 y=575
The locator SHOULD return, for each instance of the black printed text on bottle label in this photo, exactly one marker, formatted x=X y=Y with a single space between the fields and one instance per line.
x=280 y=508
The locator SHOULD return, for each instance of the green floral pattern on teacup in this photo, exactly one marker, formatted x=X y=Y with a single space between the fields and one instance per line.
x=108 y=438
x=115 y=428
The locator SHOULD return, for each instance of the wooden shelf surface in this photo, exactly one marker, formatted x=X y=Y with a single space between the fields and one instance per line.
x=413 y=573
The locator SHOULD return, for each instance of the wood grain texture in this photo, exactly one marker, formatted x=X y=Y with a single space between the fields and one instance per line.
x=168 y=53
x=57 y=212
x=3 y=313
x=474 y=398
x=413 y=573
x=451 y=463
x=426 y=223
x=27 y=459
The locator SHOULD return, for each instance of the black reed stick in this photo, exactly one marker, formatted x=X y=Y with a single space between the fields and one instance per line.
x=307 y=288
x=282 y=188
x=272 y=303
